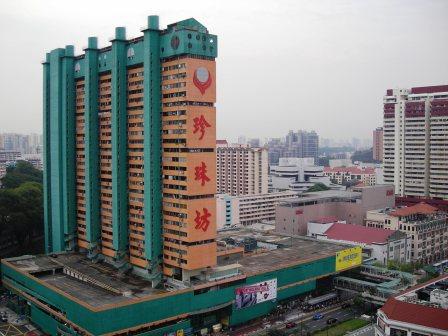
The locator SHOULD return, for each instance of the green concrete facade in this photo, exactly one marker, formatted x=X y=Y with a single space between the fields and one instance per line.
x=59 y=150
x=291 y=281
x=91 y=143
x=119 y=144
x=68 y=130
x=46 y=155
x=152 y=145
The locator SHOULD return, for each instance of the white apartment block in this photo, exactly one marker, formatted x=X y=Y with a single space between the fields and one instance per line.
x=241 y=169
x=339 y=175
x=416 y=141
x=425 y=225
x=249 y=209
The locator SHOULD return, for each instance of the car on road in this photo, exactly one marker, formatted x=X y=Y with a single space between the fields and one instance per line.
x=290 y=325
x=332 y=320
x=4 y=317
x=318 y=316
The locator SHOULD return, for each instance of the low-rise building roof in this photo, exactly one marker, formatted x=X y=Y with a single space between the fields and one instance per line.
x=420 y=208
x=400 y=310
x=416 y=314
x=358 y=233
x=350 y=170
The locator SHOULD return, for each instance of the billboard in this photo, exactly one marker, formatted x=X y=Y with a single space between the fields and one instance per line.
x=250 y=295
x=348 y=258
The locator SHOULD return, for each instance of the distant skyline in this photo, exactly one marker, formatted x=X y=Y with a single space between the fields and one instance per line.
x=314 y=65
x=236 y=140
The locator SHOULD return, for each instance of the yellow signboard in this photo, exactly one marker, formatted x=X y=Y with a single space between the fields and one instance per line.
x=180 y=332
x=348 y=258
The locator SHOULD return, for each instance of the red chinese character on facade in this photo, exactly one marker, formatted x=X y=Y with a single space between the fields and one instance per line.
x=200 y=173
x=202 y=221
x=199 y=125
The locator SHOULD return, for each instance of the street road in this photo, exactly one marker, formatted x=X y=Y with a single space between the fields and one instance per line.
x=341 y=315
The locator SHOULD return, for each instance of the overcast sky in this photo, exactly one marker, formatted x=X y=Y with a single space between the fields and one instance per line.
x=283 y=64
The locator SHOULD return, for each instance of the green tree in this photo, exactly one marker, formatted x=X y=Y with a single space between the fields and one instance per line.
x=318 y=187
x=324 y=161
x=21 y=211
x=358 y=301
x=364 y=156
x=8 y=208
x=21 y=173
x=393 y=265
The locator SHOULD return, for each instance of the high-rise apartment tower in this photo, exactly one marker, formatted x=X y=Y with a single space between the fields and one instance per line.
x=129 y=150
x=378 y=144
x=416 y=142
x=241 y=169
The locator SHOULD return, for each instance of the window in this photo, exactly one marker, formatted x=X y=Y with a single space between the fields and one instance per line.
x=398 y=332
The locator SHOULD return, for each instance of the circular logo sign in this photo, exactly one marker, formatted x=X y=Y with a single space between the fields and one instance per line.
x=175 y=42
x=202 y=79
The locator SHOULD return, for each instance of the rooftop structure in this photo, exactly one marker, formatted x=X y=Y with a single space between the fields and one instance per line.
x=68 y=292
x=93 y=284
x=292 y=216
x=416 y=311
x=358 y=233
x=380 y=244
x=414 y=211
x=274 y=251
x=442 y=205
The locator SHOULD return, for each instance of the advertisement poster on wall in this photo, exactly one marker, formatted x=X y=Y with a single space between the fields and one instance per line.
x=251 y=295
x=348 y=258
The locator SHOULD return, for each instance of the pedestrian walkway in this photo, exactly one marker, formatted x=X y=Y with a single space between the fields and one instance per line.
x=364 y=331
